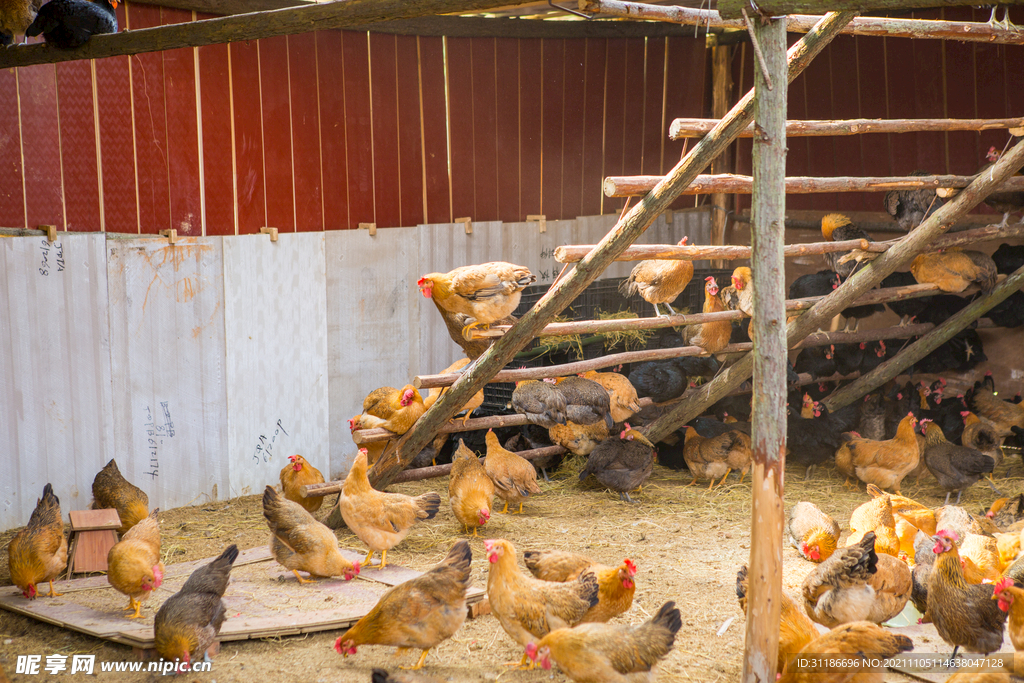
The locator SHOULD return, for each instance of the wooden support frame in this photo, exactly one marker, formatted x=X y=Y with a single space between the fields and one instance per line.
x=628 y=228
x=694 y=128
x=634 y=186
x=721 y=97
x=886 y=27
x=732 y=9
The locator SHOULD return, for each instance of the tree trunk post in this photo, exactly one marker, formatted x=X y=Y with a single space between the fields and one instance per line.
x=721 y=84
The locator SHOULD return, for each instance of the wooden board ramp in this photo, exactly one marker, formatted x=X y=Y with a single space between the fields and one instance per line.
x=264 y=600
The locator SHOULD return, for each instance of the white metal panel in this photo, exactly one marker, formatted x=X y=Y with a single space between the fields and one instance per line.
x=275 y=324
x=167 y=366
x=55 y=398
x=373 y=331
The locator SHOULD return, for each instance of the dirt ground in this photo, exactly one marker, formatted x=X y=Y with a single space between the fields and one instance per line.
x=687 y=542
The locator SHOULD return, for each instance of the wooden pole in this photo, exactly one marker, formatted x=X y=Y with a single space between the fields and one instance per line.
x=732 y=9
x=926 y=344
x=695 y=128
x=240 y=27
x=632 y=186
x=966 y=31
x=628 y=228
x=768 y=429
x=721 y=97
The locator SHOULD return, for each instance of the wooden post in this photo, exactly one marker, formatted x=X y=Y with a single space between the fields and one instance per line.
x=926 y=344
x=628 y=228
x=721 y=94
x=695 y=128
x=768 y=429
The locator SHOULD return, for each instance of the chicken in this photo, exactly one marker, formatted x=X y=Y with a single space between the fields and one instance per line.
x=875 y=516
x=1005 y=512
x=615 y=584
x=300 y=543
x=397 y=409
x=1008 y=545
x=486 y=293
x=586 y=401
x=600 y=653
x=954 y=270
x=716 y=457
x=661 y=380
x=67 y=24
x=133 y=564
x=861 y=647
x=909 y=516
x=814 y=534
x=1008 y=257
x=816 y=361
x=1003 y=414
x=111 y=490
x=795 y=628
x=472 y=404
x=515 y=479
x=964 y=614
x=712 y=336
x=470 y=490
x=954 y=467
x=579 y=439
x=911 y=207
x=1010 y=201
x=839 y=590
x=812 y=436
x=621 y=394
x=893 y=583
x=622 y=464
x=421 y=613
x=39 y=552
x=882 y=463
x=296 y=475
x=981 y=436
x=382 y=676
x=380 y=520
x=659 y=281
x=363 y=421
x=528 y=608
x=980 y=553
x=187 y=624
x=540 y=402
x=16 y=16
x=1011 y=601
x=835 y=227
x=907 y=309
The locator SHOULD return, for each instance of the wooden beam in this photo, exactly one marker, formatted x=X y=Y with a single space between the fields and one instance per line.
x=634 y=186
x=240 y=27
x=871 y=221
x=506 y=27
x=226 y=7
x=885 y=27
x=926 y=344
x=628 y=228
x=721 y=98
x=732 y=9
x=695 y=128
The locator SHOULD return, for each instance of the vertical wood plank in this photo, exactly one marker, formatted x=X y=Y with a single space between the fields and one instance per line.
x=531 y=136
x=387 y=167
x=485 y=151
x=180 y=82
x=903 y=147
x=218 y=157
x=331 y=86
x=117 y=144
x=573 y=130
x=40 y=130
x=552 y=122
x=927 y=70
x=821 y=159
x=615 y=124
x=358 y=128
x=306 y=140
x=633 y=153
x=410 y=147
x=435 y=130
x=593 y=127
x=842 y=61
x=277 y=133
x=654 y=124
x=12 y=181
x=249 y=173
x=461 y=124
x=508 y=130
x=965 y=153
x=687 y=92
x=78 y=145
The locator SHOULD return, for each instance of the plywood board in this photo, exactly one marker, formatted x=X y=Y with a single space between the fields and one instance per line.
x=275 y=322
x=167 y=366
x=56 y=414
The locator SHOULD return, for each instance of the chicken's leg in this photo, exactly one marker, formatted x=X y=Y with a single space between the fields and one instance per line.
x=467 y=331
x=419 y=664
x=669 y=307
x=466 y=419
x=522 y=663
x=301 y=580
x=131 y=604
x=625 y=497
x=138 y=610
x=366 y=560
x=383 y=559
x=504 y=510
x=993 y=486
x=53 y=593
x=520 y=509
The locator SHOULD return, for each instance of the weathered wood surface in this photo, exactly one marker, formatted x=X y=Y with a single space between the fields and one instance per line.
x=633 y=186
x=732 y=9
x=625 y=232
x=695 y=128
x=721 y=98
x=886 y=27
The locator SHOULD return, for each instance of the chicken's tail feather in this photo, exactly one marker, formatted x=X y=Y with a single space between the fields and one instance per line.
x=429 y=503
x=741 y=587
x=380 y=676
x=668 y=616
x=589 y=587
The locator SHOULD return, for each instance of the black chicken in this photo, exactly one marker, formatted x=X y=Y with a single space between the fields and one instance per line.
x=1008 y=258
x=1009 y=312
x=661 y=380
x=874 y=355
x=941 y=307
x=911 y=207
x=823 y=283
x=954 y=467
x=814 y=439
x=622 y=463
x=68 y=24
x=905 y=308
x=817 y=361
x=849 y=357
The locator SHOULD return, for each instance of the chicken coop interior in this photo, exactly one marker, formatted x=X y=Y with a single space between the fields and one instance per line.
x=599 y=341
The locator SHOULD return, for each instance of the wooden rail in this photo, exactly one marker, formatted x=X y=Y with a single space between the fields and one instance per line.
x=695 y=128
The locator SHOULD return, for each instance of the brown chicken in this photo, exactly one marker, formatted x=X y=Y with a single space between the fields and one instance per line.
x=515 y=479
x=910 y=207
x=795 y=628
x=39 y=552
x=470 y=490
x=875 y=516
x=300 y=543
x=420 y=613
x=835 y=227
x=909 y=516
x=622 y=464
x=839 y=590
x=18 y=15
x=813 y=533
x=964 y=614
x=398 y=409
x=1011 y=601
x=364 y=421
x=893 y=583
x=861 y=647
x=954 y=270
x=1003 y=414
x=740 y=295
x=615 y=584
x=187 y=624
x=528 y=608
x=111 y=490
x=882 y=463
x=579 y=439
x=1008 y=545
x=133 y=564
x=586 y=402
x=717 y=456
x=472 y=404
x=540 y=402
x=659 y=281
x=713 y=336
x=296 y=475
x=380 y=520
x=382 y=676
x=981 y=435
x=622 y=394
x=609 y=652
x=954 y=467
x=486 y=293
x=981 y=553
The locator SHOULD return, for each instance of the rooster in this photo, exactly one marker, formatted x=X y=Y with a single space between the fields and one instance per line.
x=486 y=293
x=659 y=281
x=712 y=336
x=835 y=227
x=910 y=207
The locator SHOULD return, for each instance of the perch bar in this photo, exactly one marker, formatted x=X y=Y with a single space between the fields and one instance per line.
x=695 y=128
